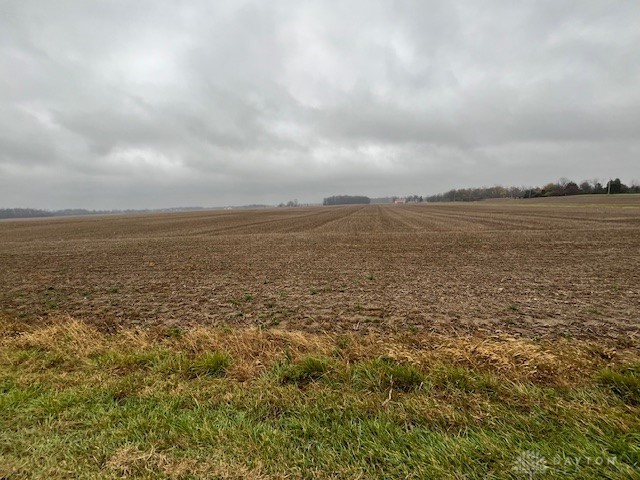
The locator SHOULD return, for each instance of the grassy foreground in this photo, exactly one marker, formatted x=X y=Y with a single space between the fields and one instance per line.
x=219 y=403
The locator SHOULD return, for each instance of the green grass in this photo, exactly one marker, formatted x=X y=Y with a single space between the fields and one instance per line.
x=211 y=364
x=386 y=374
x=75 y=406
x=624 y=382
x=173 y=332
x=304 y=371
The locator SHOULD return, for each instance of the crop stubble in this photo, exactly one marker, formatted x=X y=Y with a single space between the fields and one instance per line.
x=539 y=269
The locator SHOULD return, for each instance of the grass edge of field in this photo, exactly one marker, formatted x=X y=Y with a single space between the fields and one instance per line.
x=221 y=403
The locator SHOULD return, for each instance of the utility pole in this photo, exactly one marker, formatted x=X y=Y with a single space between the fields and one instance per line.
x=609 y=187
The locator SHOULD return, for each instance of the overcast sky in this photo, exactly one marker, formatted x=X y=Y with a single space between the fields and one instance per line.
x=138 y=104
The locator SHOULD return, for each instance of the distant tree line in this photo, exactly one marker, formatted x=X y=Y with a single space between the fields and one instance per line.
x=36 y=213
x=290 y=203
x=562 y=187
x=24 y=213
x=393 y=199
x=346 y=200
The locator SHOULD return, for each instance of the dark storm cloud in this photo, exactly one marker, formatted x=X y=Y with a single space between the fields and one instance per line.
x=147 y=104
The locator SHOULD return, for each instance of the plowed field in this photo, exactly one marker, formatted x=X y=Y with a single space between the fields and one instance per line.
x=548 y=268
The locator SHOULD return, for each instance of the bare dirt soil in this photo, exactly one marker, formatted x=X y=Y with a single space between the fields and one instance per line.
x=562 y=267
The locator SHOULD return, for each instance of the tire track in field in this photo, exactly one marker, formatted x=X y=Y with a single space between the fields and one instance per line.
x=429 y=221
x=481 y=221
x=339 y=214
x=427 y=218
x=580 y=219
x=423 y=221
x=492 y=220
x=500 y=220
x=359 y=219
x=283 y=222
x=534 y=219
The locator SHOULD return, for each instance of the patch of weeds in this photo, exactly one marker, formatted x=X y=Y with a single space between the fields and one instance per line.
x=314 y=291
x=173 y=332
x=285 y=312
x=125 y=362
x=489 y=384
x=374 y=320
x=248 y=297
x=26 y=355
x=370 y=277
x=513 y=307
x=624 y=382
x=448 y=377
x=306 y=370
x=34 y=357
x=594 y=311
x=383 y=373
x=113 y=290
x=211 y=364
x=342 y=343
x=51 y=304
x=52 y=299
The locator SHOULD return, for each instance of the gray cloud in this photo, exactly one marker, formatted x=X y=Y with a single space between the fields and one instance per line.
x=159 y=103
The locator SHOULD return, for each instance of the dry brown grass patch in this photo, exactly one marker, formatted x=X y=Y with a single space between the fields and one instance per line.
x=131 y=462
x=253 y=350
